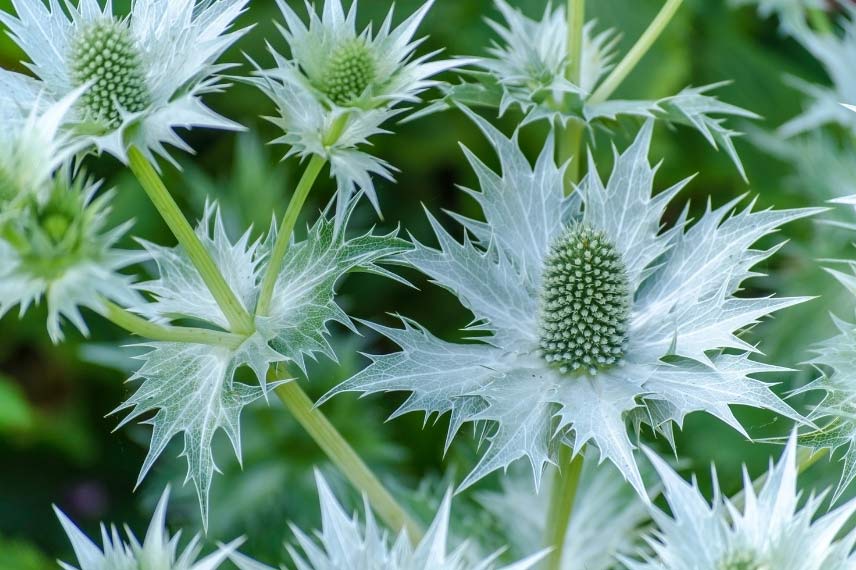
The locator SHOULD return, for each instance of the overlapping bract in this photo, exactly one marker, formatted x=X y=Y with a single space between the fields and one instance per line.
x=683 y=282
x=345 y=542
x=529 y=70
x=191 y=387
x=769 y=531
x=176 y=44
x=158 y=550
x=338 y=128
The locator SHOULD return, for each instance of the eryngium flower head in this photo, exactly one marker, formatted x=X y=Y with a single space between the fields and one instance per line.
x=158 y=551
x=339 y=85
x=835 y=52
x=571 y=360
x=143 y=75
x=344 y=542
x=769 y=532
x=529 y=69
x=59 y=248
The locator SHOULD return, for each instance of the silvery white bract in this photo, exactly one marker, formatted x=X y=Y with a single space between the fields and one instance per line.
x=339 y=86
x=834 y=52
x=835 y=413
x=144 y=75
x=572 y=366
x=608 y=517
x=32 y=148
x=528 y=70
x=791 y=13
x=344 y=542
x=58 y=248
x=770 y=531
x=158 y=551
x=192 y=386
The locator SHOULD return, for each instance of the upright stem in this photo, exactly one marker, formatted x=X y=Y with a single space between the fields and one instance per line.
x=283 y=236
x=346 y=459
x=569 y=144
x=639 y=49
x=167 y=333
x=562 y=497
x=239 y=319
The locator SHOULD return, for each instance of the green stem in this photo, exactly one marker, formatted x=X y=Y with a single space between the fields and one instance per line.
x=562 y=498
x=283 y=237
x=571 y=140
x=639 y=49
x=166 y=333
x=346 y=459
x=239 y=319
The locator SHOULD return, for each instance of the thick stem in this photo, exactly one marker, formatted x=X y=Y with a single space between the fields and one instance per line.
x=571 y=138
x=639 y=49
x=283 y=237
x=239 y=319
x=139 y=326
x=346 y=459
x=562 y=497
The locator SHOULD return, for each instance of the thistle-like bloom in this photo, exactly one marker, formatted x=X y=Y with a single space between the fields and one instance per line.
x=58 y=248
x=158 y=551
x=595 y=316
x=529 y=69
x=836 y=413
x=143 y=75
x=769 y=532
x=339 y=86
x=608 y=517
x=835 y=53
x=344 y=542
x=191 y=387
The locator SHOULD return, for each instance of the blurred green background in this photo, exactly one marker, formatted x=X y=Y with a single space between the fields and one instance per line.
x=56 y=440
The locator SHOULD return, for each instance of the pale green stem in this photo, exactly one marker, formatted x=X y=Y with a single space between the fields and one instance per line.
x=639 y=49
x=569 y=144
x=167 y=333
x=562 y=497
x=283 y=236
x=806 y=458
x=239 y=319
x=348 y=462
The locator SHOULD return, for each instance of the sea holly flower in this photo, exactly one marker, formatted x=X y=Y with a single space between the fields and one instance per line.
x=528 y=69
x=824 y=107
x=595 y=317
x=834 y=414
x=143 y=75
x=338 y=86
x=191 y=387
x=769 y=531
x=608 y=517
x=158 y=550
x=345 y=542
x=58 y=248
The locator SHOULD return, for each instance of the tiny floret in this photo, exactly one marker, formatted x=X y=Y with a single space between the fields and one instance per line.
x=584 y=302
x=104 y=55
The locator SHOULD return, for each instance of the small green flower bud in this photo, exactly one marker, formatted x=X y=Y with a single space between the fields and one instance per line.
x=349 y=70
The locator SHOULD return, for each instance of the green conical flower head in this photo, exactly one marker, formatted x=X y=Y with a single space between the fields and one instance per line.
x=104 y=55
x=350 y=69
x=584 y=303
